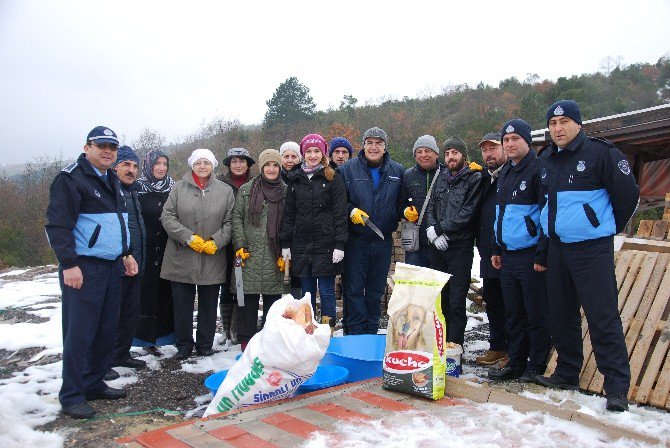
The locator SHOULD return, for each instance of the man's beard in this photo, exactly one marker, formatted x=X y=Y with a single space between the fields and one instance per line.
x=459 y=166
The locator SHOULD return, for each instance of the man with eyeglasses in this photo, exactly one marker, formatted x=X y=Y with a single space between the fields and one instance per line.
x=87 y=229
x=373 y=184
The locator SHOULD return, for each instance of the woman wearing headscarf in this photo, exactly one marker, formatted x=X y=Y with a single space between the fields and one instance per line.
x=314 y=229
x=156 y=326
x=239 y=164
x=257 y=218
x=196 y=218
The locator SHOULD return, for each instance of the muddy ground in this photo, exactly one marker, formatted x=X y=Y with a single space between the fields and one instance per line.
x=159 y=398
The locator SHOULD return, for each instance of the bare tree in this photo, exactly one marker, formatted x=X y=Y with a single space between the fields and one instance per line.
x=149 y=139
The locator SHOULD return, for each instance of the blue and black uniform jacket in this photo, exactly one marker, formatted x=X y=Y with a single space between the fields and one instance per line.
x=382 y=204
x=590 y=190
x=519 y=200
x=85 y=216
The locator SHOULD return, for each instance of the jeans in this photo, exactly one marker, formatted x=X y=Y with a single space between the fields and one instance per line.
x=326 y=289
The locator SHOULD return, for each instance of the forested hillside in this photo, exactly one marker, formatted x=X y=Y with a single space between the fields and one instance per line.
x=461 y=110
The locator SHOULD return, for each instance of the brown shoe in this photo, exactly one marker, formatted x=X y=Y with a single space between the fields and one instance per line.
x=491 y=357
x=502 y=363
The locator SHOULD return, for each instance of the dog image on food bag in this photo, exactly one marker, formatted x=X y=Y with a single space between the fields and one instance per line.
x=407 y=326
x=415 y=356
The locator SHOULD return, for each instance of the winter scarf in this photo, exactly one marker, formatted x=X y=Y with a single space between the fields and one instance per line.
x=270 y=191
x=147 y=182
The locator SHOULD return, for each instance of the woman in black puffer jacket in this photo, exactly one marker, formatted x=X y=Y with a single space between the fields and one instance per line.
x=314 y=230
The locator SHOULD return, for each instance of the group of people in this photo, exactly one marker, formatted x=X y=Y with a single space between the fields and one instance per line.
x=133 y=252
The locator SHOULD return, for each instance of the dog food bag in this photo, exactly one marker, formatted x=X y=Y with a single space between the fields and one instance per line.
x=414 y=360
x=277 y=360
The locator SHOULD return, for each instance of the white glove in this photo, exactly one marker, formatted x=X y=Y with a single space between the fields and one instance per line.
x=430 y=233
x=338 y=255
x=286 y=253
x=442 y=243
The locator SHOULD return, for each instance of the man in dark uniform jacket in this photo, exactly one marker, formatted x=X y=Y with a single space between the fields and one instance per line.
x=521 y=256
x=494 y=157
x=591 y=195
x=87 y=229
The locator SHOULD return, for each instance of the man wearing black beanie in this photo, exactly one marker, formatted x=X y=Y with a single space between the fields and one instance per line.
x=591 y=195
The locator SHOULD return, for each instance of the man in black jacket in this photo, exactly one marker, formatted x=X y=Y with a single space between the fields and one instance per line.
x=127 y=168
x=494 y=157
x=373 y=184
x=591 y=195
x=520 y=254
x=87 y=229
x=451 y=214
x=415 y=185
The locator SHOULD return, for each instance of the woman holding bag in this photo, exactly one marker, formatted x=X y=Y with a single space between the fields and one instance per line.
x=315 y=226
x=257 y=217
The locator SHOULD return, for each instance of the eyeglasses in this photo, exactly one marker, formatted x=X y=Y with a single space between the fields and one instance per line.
x=379 y=144
x=110 y=146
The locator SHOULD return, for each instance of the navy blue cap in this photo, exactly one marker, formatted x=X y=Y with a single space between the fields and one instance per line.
x=338 y=142
x=519 y=127
x=566 y=108
x=102 y=134
x=126 y=153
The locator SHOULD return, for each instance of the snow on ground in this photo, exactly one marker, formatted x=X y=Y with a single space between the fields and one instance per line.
x=30 y=397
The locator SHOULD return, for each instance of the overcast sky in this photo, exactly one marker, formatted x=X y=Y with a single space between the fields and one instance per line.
x=67 y=66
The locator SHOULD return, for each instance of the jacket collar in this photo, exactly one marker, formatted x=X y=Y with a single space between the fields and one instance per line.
x=364 y=160
x=523 y=162
x=574 y=145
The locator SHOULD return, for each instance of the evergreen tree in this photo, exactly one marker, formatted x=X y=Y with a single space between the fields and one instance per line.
x=289 y=104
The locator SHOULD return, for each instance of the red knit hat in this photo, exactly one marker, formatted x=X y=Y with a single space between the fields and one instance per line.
x=313 y=140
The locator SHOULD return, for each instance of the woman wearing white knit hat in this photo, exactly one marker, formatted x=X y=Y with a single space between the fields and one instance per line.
x=290 y=157
x=197 y=218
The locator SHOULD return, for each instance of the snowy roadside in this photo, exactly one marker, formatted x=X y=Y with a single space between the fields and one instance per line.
x=30 y=372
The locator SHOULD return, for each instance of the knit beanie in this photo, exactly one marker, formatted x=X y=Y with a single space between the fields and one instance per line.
x=290 y=146
x=126 y=153
x=519 y=127
x=456 y=143
x=426 y=141
x=340 y=142
x=566 y=108
x=269 y=155
x=202 y=154
x=313 y=140
x=375 y=133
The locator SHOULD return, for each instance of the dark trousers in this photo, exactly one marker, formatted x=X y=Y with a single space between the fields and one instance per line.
x=326 y=285
x=495 y=311
x=247 y=324
x=90 y=321
x=419 y=258
x=129 y=316
x=525 y=294
x=457 y=261
x=583 y=274
x=183 y=296
x=366 y=267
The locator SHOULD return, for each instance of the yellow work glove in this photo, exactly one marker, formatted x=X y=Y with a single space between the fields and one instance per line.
x=357 y=216
x=209 y=247
x=281 y=264
x=411 y=214
x=474 y=166
x=242 y=253
x=196 y=243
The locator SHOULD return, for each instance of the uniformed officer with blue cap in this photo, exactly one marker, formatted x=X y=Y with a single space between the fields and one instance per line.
x=87 y=229
x=591 y=195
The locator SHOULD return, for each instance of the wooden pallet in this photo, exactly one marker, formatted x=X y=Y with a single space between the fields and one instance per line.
x=655 y=230
x=643 y=281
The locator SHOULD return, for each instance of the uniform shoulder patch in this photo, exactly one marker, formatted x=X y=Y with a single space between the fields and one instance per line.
x=70 y=168
x=624 y=167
